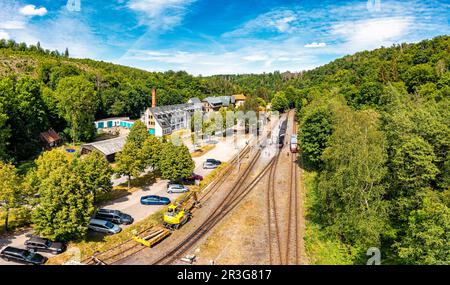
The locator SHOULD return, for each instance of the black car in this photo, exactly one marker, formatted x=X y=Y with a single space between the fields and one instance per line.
x=45 y=245
x=22 y=256
x=114 y=216
x=214 y=161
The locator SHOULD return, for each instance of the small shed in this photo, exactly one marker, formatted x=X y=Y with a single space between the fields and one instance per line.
x=108 y=148
x=50 y=139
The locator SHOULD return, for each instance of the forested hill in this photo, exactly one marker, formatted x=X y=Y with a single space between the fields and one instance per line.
x=375 y=139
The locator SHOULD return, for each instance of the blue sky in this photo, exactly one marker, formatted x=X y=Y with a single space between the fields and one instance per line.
x=221 y=36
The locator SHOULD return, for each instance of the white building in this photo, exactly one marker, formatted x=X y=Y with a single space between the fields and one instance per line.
x=164 y=120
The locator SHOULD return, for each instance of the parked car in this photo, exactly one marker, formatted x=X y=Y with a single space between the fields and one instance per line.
x=209 y=165
x=114 y=216
x=45 y=245
x=194 y=177
x=154 y=200
x=214 y=161
x=189 y=180
x=103 y=226
x=177 y=188
x=22 y=256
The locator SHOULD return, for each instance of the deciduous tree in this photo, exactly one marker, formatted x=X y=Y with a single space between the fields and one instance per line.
x=129 y=161
x=10 y=190
x=95 y=173
x=176 y=162
x=77 y=103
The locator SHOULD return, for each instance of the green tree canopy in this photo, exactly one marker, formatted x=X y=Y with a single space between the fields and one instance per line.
x=151 y=152
x=351 y=186
x=176 y=162
x=77 y=102
x=279 y=102
x=129 y=161
x=138 y=133
x=11 y=194
x=5 y=133
x=414 y=164
x=427 y=236
x=315 y=132
x=65 y=205
x=96 y=173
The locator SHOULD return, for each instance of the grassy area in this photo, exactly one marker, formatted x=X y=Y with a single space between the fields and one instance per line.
x=203 y=150
x=321 y=248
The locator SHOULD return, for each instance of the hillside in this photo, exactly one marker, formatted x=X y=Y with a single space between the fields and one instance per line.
x=375 y=141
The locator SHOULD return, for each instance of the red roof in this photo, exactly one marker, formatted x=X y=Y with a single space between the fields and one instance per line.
x=50 y=136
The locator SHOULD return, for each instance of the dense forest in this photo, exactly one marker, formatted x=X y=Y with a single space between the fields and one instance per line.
x=374 y=131
x=375 y=136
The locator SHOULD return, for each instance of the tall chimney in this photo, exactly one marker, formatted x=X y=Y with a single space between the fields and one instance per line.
x=153 y=97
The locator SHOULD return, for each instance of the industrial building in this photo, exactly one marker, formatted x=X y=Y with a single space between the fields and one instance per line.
x=215 y=103
x=108 y=148
x=164 y=120
x=123 y=122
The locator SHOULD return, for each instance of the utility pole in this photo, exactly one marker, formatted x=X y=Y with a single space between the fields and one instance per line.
x=238 y=154
x=239 y=160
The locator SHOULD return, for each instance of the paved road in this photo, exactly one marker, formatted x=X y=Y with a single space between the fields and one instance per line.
x=224 y=151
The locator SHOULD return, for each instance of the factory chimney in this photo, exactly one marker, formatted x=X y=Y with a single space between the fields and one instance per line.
x=153 y=97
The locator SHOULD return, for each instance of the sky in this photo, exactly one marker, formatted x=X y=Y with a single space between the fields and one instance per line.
x=205 y=37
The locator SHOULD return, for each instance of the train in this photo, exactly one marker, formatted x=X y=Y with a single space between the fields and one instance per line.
x=282 y=134
x=293 y=144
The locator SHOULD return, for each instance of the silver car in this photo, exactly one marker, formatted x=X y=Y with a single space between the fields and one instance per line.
x=177 y=188
x=102 y=226
x=209 y=165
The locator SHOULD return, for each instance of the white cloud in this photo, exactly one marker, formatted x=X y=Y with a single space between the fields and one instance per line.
x=31 y=10
x=256 y=57
x=372 y=33
x=4 y=35
x=281 y=21
x=253 y=56
x=12 y=25
x=315 y=45
x=60 y=32
x=160 y=14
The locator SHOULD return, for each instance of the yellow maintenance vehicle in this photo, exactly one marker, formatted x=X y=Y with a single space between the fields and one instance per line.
x=176 y=216
x=179 y=214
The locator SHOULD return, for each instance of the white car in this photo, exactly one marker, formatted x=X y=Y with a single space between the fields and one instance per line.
x=177 y=188
x=102 y=226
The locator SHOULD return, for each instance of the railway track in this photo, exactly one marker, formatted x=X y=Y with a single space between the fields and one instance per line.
x=272 y=220
x=190 y=240
x=291 y=253
x=279 y=253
